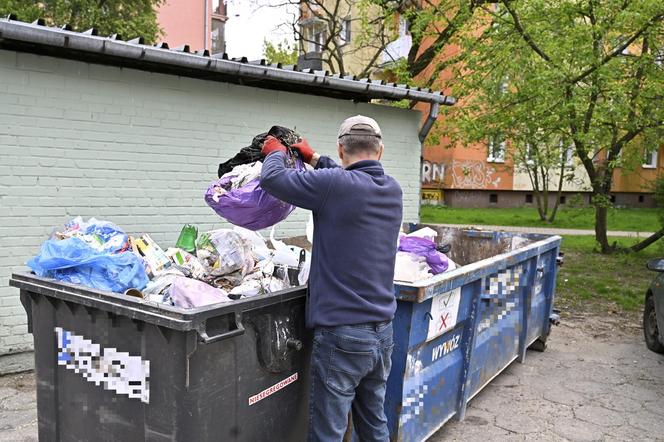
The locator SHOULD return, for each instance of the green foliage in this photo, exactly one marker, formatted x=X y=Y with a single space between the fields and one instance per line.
x=659 y=198
x=638 y=220
x=282 y=52
x=576 y=201
x=588 y=72
x=589 y=280
x=128 y=18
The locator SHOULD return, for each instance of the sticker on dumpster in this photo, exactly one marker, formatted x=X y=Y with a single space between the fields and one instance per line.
x=444 y=310
x=114 y=370
x=413 y=404
x=502 y=296
x=273 y=389
x=446 y=347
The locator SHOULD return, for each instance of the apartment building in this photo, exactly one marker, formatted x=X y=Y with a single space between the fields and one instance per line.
x=197 y=23
x=478 y=175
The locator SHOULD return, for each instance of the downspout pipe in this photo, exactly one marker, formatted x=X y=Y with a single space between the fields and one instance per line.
x=428 y=123
x=206 y=27
x=424 y=132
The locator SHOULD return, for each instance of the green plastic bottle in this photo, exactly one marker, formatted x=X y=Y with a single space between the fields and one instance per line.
x=187 y=239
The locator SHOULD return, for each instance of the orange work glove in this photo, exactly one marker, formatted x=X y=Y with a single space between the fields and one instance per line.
x=306 y=152
x=271 y=144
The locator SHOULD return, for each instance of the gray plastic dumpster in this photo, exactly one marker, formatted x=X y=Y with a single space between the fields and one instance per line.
x=111 y=368
x=458 y=330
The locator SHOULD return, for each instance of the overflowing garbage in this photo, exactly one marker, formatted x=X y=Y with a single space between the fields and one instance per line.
x=212 y=267
x=222 y=265
x=419 y=257
x=237 y=195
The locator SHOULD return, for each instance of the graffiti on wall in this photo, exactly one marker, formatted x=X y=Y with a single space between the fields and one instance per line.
x=469 y=174
x=432 y=172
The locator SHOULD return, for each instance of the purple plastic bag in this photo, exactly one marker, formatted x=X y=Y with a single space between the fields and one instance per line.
x=248 y=206
x=191 y=293
x=437 y=261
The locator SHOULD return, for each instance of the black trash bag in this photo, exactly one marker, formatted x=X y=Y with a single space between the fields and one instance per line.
x=252 y=152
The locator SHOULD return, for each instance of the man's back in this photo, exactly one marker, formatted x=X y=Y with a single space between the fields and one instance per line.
x=355 y=241
x=357 y=215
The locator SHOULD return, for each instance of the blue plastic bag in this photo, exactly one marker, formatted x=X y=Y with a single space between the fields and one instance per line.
x=73 y=260
x=112 y=237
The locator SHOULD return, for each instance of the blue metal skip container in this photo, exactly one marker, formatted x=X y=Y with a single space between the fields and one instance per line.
x=458 y=330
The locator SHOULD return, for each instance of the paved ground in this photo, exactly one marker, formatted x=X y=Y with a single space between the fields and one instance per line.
x=596 y=381
x=18 y=408
x=551 y=231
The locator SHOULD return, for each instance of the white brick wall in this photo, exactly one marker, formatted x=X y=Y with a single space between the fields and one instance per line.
x=139 y=149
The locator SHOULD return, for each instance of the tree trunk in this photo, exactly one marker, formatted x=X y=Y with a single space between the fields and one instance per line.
x=534 y=180
x=540 y=206
x=600 y=229
x=559 y=192
x=646 y=242
x=545 y=190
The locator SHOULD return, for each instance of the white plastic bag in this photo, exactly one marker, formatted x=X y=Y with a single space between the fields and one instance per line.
x=303 y=276
x=409 y=267
x=248 y=288
x=310 y=229
x=234 y=251
x=259 y=247
x=426 y=232
x=284 y=254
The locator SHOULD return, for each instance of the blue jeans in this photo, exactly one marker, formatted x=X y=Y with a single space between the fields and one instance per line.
x=349 y=369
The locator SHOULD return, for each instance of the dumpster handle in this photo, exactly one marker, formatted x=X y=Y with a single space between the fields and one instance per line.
x=237 y=331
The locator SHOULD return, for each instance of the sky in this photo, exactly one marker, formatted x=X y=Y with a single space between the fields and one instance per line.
x=252 y=21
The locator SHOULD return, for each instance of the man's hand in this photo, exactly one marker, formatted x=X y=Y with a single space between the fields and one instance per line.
x=271 y=144
x=305 y=150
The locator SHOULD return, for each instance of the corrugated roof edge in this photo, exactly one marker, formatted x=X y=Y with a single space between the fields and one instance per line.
x=87 y=46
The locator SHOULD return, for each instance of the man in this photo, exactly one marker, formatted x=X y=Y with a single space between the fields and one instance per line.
x=357 y=211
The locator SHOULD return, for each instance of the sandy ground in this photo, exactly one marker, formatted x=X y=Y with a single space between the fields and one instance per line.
x=596 y=381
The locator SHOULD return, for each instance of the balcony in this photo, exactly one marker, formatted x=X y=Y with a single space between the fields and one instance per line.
x=397 y=49
x=310 y=60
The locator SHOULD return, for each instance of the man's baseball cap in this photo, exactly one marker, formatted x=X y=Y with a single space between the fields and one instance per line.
x=360 y=125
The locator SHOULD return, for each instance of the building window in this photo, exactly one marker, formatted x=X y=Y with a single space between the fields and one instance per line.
x=496 y=150
x=218 y=7
x=568 y=156
x=650 y=160
x=344 y=34
x=563 y=200
x=218 y=43
x=493 y=198
x=529 y=198
x=641 y=199
x=317 y=40
x=528 y=157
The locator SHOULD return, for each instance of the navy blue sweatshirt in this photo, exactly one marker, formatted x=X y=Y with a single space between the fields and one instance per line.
x=357 y=215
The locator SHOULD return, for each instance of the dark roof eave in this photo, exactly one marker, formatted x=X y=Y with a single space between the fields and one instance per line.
x=102 y=50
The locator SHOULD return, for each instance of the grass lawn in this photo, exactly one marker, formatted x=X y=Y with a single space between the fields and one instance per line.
x=638 y=220
x=615 y=282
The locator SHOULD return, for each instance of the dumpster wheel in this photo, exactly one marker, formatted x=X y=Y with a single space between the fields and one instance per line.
x=538 y=345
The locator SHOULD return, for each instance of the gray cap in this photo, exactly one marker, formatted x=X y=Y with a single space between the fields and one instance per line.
x=359 y=125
